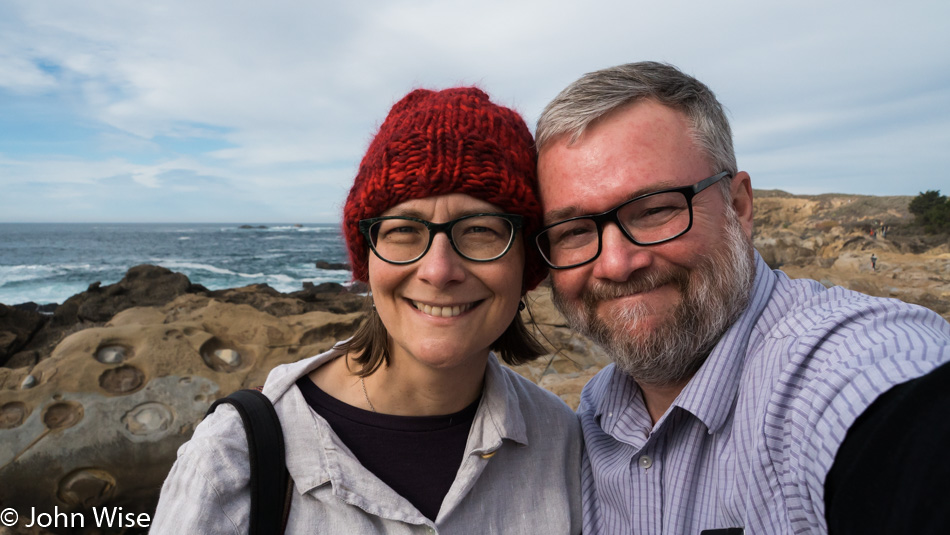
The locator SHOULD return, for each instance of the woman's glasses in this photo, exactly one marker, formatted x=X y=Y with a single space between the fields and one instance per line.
x=476 y=237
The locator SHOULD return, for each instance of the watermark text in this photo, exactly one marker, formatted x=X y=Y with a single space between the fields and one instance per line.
x=102 y=517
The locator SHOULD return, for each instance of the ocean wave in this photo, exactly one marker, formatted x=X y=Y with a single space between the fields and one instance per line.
x=175 y=265
x=42 y=294
x=280 y=278
x=175 y=230
x=330 y=229
x=29 y=272
x=284 y=228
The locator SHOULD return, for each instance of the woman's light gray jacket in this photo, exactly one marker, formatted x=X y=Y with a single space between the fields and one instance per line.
x=520 y=474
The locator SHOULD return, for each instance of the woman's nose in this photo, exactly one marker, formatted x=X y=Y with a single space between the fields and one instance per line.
x=441 y=265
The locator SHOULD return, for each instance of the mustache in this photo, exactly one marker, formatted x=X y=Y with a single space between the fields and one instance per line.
x=644 y=282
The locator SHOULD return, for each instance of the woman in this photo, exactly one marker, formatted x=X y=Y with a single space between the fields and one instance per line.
x=412 y=425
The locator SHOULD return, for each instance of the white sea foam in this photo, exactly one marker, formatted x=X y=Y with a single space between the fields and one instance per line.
x=43 y=294
x=25 y=272
x=280 y=278
x=185 y=267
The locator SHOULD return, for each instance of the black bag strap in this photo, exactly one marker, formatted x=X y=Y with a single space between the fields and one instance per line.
x=270 y=492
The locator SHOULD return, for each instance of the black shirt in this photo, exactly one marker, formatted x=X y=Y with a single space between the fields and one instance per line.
x=891 y=474
x=417 y=456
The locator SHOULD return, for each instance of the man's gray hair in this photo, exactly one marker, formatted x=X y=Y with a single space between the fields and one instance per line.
x=598 y=94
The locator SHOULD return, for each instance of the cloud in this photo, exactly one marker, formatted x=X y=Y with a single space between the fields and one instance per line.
x=276 y=102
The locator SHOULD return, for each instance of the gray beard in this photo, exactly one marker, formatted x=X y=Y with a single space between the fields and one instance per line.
x=714 y=295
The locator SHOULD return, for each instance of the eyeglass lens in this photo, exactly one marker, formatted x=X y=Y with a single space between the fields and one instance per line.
x=483 y=237
x=648 y=220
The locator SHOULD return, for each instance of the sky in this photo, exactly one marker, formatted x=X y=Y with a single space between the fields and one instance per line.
x=247 y=111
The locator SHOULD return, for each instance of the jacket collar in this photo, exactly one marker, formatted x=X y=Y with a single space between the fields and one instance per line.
x=316 y=456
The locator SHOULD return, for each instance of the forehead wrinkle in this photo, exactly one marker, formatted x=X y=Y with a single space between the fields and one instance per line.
x=398 y=211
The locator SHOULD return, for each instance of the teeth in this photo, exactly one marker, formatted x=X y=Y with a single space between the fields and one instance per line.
x=443 y=312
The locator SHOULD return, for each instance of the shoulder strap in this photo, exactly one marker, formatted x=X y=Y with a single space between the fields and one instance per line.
x=265 y=444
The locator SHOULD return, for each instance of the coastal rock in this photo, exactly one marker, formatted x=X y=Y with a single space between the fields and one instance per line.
x=31 y=336
x=17 y=327
x=116 y=401
x=143 y=285
x=323 y=264
x=30 y=306
x=329 y=296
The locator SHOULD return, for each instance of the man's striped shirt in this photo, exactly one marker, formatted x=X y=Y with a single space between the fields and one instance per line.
x=750 y=439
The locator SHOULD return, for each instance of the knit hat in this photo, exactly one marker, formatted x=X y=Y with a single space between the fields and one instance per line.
x=438 y=143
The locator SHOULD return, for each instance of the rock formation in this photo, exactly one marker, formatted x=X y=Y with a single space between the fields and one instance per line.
x=828 y=238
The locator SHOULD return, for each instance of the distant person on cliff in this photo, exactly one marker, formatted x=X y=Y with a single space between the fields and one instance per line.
x=739 y=401
x=413 y=425
x=873 y=262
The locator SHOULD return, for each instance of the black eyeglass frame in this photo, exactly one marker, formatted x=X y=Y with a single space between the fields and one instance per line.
x=610 y=216
x=516 y=221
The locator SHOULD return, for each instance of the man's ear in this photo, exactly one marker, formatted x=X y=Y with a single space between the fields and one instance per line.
x=742 y=200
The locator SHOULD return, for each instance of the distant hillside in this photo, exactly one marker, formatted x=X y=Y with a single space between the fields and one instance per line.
x=813 y=215
x=829 y=238
x=843 y=207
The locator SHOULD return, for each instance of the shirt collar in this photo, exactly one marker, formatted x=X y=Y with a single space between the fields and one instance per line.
x=314 y=451
x=712 y=392
x=499 y=415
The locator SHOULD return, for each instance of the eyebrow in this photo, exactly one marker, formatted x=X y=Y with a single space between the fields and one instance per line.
x=561 y=214
x=574 y=210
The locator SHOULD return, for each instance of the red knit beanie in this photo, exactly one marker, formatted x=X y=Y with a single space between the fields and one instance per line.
x=438 y=143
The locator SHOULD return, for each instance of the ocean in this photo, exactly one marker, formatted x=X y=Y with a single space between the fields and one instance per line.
x=50 y=262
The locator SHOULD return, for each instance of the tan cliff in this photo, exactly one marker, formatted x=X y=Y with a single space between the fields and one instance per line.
x=829 y=238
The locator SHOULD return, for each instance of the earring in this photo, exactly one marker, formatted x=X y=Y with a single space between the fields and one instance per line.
x=521 y=306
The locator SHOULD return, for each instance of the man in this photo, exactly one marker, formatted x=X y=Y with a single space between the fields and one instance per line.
x=739 y=398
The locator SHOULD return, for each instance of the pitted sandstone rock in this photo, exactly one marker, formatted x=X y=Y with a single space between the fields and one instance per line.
x=99 y=420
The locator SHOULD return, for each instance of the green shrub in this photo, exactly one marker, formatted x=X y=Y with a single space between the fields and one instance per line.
x=931 y=211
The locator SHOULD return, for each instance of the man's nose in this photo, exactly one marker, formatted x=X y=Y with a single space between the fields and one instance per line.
x=619 y=257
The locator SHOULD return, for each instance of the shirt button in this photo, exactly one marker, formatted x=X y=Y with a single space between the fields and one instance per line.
x=645 y=462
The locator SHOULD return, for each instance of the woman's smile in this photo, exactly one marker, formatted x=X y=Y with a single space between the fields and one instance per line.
x=443 y=311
